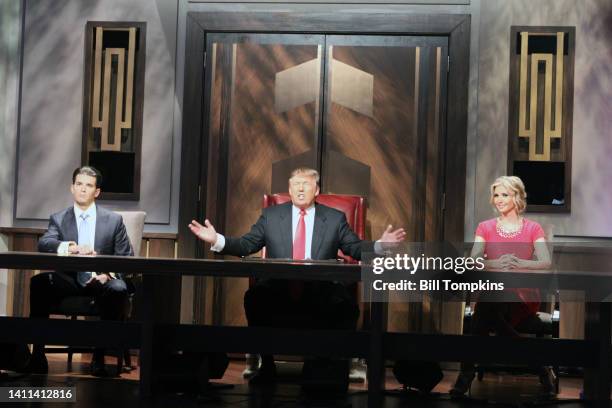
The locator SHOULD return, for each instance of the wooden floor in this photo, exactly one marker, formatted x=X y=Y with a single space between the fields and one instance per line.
x=495 y=389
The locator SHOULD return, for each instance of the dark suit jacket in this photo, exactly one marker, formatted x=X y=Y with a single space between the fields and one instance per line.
x=111 y=236
x=273 y=230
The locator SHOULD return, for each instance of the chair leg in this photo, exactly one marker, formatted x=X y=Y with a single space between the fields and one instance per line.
x=127 y=359
x=70 y=352
x=120 y=354
x=69 y=362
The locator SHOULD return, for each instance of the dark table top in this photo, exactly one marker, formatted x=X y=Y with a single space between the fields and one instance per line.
x=244 y=267
x=573 y=275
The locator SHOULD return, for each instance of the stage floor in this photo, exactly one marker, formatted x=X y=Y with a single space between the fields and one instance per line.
x=123 y=391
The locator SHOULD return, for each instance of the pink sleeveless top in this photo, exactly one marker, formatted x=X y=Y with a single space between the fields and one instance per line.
x=522 y=247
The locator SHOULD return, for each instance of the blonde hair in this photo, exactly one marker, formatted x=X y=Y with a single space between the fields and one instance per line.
x=306 y=171
x=516 y=186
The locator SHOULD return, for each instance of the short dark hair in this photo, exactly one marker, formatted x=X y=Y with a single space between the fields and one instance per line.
x=88 y=171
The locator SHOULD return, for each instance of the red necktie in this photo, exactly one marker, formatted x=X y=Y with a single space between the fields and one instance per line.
x=299 y=243
x=299 y=252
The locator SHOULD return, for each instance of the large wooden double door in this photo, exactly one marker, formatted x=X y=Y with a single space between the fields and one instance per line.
x=367 y=111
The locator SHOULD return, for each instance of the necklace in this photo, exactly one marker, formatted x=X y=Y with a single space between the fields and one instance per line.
x=506 y=231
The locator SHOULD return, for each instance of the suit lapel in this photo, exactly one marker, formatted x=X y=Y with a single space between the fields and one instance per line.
x=69 y=227
x=286 y=233
x=101 y=221
x=318 y=231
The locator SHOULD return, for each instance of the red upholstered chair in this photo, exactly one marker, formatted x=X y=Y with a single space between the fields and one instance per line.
x=352 y=206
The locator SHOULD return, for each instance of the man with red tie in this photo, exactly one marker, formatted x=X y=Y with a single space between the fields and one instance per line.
x=301 y=229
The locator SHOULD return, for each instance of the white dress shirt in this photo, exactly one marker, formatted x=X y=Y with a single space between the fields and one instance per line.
x=62 y=249
x=295 y=217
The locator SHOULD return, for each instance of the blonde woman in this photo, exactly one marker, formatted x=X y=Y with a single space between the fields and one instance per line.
x=508 y=241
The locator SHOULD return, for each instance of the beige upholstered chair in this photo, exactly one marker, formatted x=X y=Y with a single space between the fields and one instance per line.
x=134 y=224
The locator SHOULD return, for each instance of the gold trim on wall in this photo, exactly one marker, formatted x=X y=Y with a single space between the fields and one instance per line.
x=530 y=132
x=124 y=84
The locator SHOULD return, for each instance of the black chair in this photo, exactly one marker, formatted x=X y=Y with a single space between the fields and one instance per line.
x=85 y=306
x=544 y=323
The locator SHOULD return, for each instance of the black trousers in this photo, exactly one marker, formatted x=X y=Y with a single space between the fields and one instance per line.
x=493 y=314
x=321 y=305
x=49 y=288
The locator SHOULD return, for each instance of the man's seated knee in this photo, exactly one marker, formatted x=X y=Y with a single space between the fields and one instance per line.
x=113 y=300
x=114 y=296
x=116 y=287
x=40 y=281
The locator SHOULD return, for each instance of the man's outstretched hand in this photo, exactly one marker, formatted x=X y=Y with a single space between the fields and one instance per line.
x=204 y=232
x=392 y=236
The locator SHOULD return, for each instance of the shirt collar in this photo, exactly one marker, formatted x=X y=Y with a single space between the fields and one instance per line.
x=91 y=211
x=296 y=210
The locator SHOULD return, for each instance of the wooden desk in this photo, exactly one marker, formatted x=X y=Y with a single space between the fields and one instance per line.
x=593 y=353
x=188 y=337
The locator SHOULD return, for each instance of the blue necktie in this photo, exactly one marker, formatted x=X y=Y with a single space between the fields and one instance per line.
x=84 y=239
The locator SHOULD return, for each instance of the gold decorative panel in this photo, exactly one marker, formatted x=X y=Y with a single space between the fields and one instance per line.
x=124 y=84
x=113 y=98
x=530 y=130
x=540 y=114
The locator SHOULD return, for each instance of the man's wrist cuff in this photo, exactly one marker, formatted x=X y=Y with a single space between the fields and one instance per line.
x=219 y=245
x=62 y=249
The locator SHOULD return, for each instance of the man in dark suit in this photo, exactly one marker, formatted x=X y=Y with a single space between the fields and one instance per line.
x=301 y=229
x=81 y=229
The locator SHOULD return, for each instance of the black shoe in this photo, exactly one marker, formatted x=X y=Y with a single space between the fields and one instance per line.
x=462 y=385
x=252 y=366
x=98 y=368
x=548 y=381
x=265 y=375
x=37 y=364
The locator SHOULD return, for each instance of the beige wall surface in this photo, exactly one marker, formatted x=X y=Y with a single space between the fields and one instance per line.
x=9 y=86
x=51 y=106
x=592 y=137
